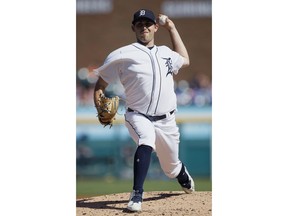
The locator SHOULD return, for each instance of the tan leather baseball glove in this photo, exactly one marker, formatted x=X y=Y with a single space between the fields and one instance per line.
x=107 y=109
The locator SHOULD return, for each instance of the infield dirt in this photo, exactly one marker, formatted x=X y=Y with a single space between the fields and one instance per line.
x=155 y=203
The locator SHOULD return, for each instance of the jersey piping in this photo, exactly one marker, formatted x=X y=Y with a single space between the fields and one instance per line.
x=153 y=83
x=160 y=88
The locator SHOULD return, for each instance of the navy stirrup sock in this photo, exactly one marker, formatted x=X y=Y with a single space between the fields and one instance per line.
x=141 y=165
x=182 y=177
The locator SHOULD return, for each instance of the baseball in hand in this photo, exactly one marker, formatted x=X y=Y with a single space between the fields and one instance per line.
x=163 y=19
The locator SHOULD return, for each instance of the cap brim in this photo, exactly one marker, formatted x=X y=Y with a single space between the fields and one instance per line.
x=143 y=18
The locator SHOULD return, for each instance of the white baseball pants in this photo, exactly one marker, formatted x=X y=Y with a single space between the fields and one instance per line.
x=163 y=136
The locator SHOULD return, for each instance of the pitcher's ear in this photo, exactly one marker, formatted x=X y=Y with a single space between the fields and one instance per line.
x=132 y=27
x=156 y=27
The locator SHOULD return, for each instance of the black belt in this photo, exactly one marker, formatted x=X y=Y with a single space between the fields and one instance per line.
x=152 y=118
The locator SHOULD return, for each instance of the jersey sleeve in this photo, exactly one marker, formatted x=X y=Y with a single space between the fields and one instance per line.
x=109 y=70
x=177 y=61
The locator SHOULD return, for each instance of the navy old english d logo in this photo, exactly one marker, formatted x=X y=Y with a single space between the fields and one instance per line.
x=168 y=64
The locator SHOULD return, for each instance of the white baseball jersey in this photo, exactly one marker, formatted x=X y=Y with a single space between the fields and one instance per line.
x=147 y=76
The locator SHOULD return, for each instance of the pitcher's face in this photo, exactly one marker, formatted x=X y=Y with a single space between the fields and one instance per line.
x=145 y=30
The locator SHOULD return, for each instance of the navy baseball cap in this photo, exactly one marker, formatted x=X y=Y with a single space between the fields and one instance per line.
x=144 y=14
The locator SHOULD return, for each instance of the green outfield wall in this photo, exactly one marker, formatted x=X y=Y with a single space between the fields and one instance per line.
x=113 y=156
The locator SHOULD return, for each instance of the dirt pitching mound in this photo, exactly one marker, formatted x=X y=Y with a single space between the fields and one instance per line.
x=154 y=203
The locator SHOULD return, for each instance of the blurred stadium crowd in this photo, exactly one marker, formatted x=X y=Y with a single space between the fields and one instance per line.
x=197 y=92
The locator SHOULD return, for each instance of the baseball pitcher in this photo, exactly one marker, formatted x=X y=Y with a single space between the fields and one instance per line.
x=146 y=72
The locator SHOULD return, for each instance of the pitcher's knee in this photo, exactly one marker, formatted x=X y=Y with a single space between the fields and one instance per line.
x=173 y=170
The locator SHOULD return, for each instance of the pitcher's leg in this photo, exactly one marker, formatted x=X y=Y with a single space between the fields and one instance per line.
x=142 y=159
x=142 y=132
x=167 y=149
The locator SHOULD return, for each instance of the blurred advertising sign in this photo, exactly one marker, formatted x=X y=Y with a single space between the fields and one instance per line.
x=94 y=6
x=178 y=9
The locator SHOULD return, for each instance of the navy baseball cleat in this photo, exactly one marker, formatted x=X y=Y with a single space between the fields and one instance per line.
x=189 y=186
x=135 y=201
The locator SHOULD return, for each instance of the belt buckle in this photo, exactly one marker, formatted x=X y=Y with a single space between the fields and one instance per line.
x=169 y=113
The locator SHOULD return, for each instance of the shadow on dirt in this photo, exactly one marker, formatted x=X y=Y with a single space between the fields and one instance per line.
x=112 y=204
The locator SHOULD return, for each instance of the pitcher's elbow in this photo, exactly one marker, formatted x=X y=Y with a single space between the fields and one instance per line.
x=186 y=62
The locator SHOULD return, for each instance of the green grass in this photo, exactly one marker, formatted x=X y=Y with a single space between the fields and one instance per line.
x=87 y=187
